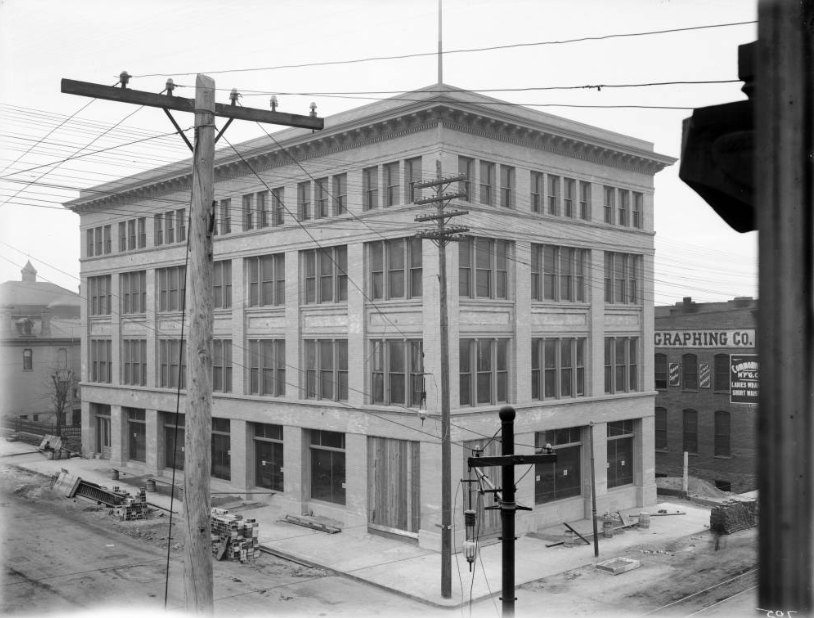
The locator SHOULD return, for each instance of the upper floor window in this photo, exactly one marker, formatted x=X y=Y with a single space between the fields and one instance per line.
x=689 y=370
x=623 y=274
x=171 y=288
x=325 y=274
x=621 y=364
x=484 y=371
x=98 y=241
x=172 y=360
x=584 y=200
x=660 y=371
x=101 y=360
x=553 y=195
x=266 y=279
x=28 y=359
x=466 y=166
x=370 y=188
x=568 y=185
x=483 y=268
x=133 y=292
x=412 y=175
x=222 y=365
x=395 y=268
x=487 y=183
x=638 y=206
x=609 y=204
x=326 y=369
x=321 y=198
x=277 y=206
x=304 y=201
x=391 y=184
x=624 y=207
x=249 y=216
x=558 y=273
x=62 y=358
x=134 y=362
x=261 y=209
x=537 y=191
x=267 y=368
x=340 y=195
x=99 y=295
x=557 y=368
x=223 y=217
x=661 y=429
x=222 y=284
x=506 y=186
x=721 y=373
x=397 y=368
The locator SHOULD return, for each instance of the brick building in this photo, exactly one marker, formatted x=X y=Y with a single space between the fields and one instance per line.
x=40 y=338
x=327 y=312
x=702 y=407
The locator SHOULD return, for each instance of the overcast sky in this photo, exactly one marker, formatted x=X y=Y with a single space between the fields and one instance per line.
x=243 y=44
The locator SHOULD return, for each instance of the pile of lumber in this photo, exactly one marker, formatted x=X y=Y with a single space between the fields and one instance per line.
x=733 y=516
x=131 y=508
x=234 y=538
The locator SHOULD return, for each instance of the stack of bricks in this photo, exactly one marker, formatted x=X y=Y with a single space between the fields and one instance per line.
x=131 y=508
x=234 y=538
x=733 y=517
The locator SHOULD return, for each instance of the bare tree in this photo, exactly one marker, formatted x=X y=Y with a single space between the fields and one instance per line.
x=62 y=384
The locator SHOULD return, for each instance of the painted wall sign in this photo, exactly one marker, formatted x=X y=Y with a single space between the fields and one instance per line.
x=703 y=375
x=743 y=338
x=675 y=374
x=744 y=377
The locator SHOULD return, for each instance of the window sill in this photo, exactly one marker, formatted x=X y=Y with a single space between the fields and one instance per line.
x=722 y=457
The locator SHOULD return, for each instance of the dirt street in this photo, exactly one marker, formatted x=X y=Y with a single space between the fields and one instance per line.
x=66 y=555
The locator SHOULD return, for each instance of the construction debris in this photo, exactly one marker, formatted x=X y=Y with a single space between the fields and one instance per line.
x=733 y=517
x=618 y=565
x=132 y=508
x=234 y=538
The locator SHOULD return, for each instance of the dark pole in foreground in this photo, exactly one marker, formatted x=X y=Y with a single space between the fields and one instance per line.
x=593 y=492
x=507 y=509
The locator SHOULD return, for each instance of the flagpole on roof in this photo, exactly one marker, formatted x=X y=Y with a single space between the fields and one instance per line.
x=440 y=44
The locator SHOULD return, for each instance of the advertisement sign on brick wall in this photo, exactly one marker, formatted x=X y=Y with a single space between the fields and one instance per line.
x=744 y=376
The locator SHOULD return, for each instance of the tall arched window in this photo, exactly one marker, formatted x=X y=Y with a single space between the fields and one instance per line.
x=722 y=434
x=721 y=372
x=689 y=369
x=660 y=366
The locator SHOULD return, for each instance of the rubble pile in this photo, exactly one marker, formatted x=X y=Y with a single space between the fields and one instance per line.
x=733 y=517
x=234 y=538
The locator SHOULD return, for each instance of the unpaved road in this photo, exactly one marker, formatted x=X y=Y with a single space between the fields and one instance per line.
x=61 y=556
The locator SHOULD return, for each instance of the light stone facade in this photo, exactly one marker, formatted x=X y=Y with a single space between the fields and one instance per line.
x=439 y=123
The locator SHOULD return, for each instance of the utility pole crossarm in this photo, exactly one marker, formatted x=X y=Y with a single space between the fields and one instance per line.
x=181 y=104
x=511 y=460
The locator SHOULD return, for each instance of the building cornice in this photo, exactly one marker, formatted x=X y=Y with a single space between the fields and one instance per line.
x=360 y=130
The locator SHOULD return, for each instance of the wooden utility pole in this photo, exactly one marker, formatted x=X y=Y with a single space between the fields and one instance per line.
x=198 y=407
x=442 y=235
x=507 y=461
x=198 y=583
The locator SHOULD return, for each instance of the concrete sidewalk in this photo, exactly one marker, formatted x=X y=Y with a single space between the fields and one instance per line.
x=399 y=566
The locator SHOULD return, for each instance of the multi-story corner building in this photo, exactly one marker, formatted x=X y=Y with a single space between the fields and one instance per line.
x=706 y=375
x=40 y=343
x=327 y=312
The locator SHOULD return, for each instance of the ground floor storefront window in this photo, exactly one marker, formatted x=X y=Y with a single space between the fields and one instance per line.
x=101 y=412
x=562 y=479
x=136 y=434
x=328 y=466
x=174 y=441
x=268 y=456
x=620 y=453
x=221 y=449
